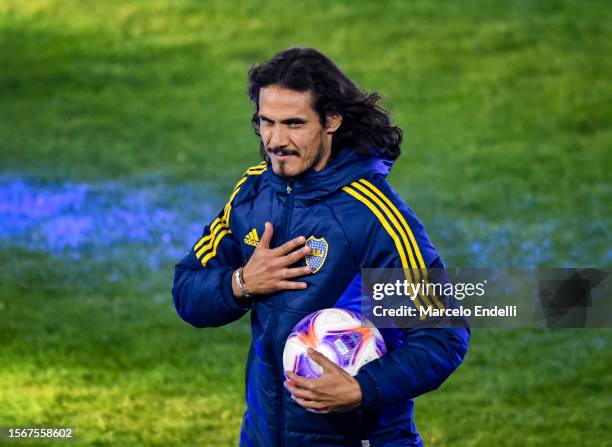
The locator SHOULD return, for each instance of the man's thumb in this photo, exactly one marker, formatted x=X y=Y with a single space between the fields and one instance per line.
x=266 y=237
x=321 y=360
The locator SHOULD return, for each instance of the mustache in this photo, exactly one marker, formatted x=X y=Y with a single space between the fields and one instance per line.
x=282 y=151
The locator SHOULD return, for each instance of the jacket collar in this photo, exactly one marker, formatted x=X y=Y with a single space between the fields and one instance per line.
x=346 y=167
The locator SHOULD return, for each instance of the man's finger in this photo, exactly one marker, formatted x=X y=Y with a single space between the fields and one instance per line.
x=290 y=246
x=292 y=285
x=296 y=255
x=300 y=392
x=294 y=272
x=321 y=360
x=300 y=381
x=266 y=237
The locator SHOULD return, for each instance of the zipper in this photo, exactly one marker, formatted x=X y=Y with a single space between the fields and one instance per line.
x=280 y=388
x=289 y=190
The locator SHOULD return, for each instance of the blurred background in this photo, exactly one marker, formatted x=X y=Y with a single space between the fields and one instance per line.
x=125 y=124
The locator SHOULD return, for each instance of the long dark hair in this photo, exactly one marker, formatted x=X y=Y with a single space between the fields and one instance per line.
x=366 y=127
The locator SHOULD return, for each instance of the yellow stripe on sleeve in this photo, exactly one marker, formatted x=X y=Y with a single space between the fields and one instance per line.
x=400 y=231
x=213 y=253
x=402 y=219
x=206 y=248
x=209 y=235
x=240 y=182
x=398 y=244
x=228 y=206
x=211 y=238
x=391 y=217
x=406 y=231
x=256 y=170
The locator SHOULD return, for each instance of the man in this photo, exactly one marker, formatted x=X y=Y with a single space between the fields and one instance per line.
x=292 y=239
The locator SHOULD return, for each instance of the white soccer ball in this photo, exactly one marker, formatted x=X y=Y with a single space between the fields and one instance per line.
x=344 y=337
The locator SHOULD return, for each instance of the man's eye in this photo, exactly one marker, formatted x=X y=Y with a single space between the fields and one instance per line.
x=295 y=125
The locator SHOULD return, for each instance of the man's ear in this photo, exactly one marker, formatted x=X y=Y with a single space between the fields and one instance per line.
x=332 y=122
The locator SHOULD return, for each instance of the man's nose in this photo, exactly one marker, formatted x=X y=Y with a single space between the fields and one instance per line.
x=278 y=137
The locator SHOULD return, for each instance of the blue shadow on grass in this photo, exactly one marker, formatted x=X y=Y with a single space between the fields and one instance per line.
x=149 y=223
x=143 y=220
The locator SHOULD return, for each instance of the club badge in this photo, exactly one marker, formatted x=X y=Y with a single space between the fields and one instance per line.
x=316 y=259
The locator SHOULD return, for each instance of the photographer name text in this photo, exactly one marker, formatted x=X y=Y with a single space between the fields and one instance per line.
x=434 y=312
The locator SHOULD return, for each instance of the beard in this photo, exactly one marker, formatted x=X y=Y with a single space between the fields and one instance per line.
x=283 y=166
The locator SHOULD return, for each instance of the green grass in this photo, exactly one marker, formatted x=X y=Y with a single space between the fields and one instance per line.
x=506 y=107
x=507 y=113
x=123 y=370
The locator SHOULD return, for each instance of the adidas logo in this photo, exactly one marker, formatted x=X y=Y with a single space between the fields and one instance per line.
x=251 y=238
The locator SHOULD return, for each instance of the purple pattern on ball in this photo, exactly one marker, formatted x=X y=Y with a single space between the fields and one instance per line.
x=305 y=367
x=341 y=346
x=381 y=348
x=303 y=325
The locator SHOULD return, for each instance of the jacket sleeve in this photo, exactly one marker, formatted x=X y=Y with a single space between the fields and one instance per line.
x=202 y=290
x=421 y=364
x=427 y=356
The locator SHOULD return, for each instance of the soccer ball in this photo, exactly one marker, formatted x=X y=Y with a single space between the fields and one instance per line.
x=344 y=337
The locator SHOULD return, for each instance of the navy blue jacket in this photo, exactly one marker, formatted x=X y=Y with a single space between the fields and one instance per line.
x=358 y=221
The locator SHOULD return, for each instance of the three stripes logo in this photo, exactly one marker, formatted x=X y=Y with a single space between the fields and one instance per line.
x=397 y=227
x=252 y=238
x=206 y=248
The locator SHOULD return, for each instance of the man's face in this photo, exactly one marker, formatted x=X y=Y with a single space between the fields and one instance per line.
x=291 y=131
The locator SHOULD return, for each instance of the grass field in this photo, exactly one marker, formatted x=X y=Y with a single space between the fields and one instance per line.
x=124 y=124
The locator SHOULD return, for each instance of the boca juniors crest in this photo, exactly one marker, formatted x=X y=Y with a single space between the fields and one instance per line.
x=316 y=258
